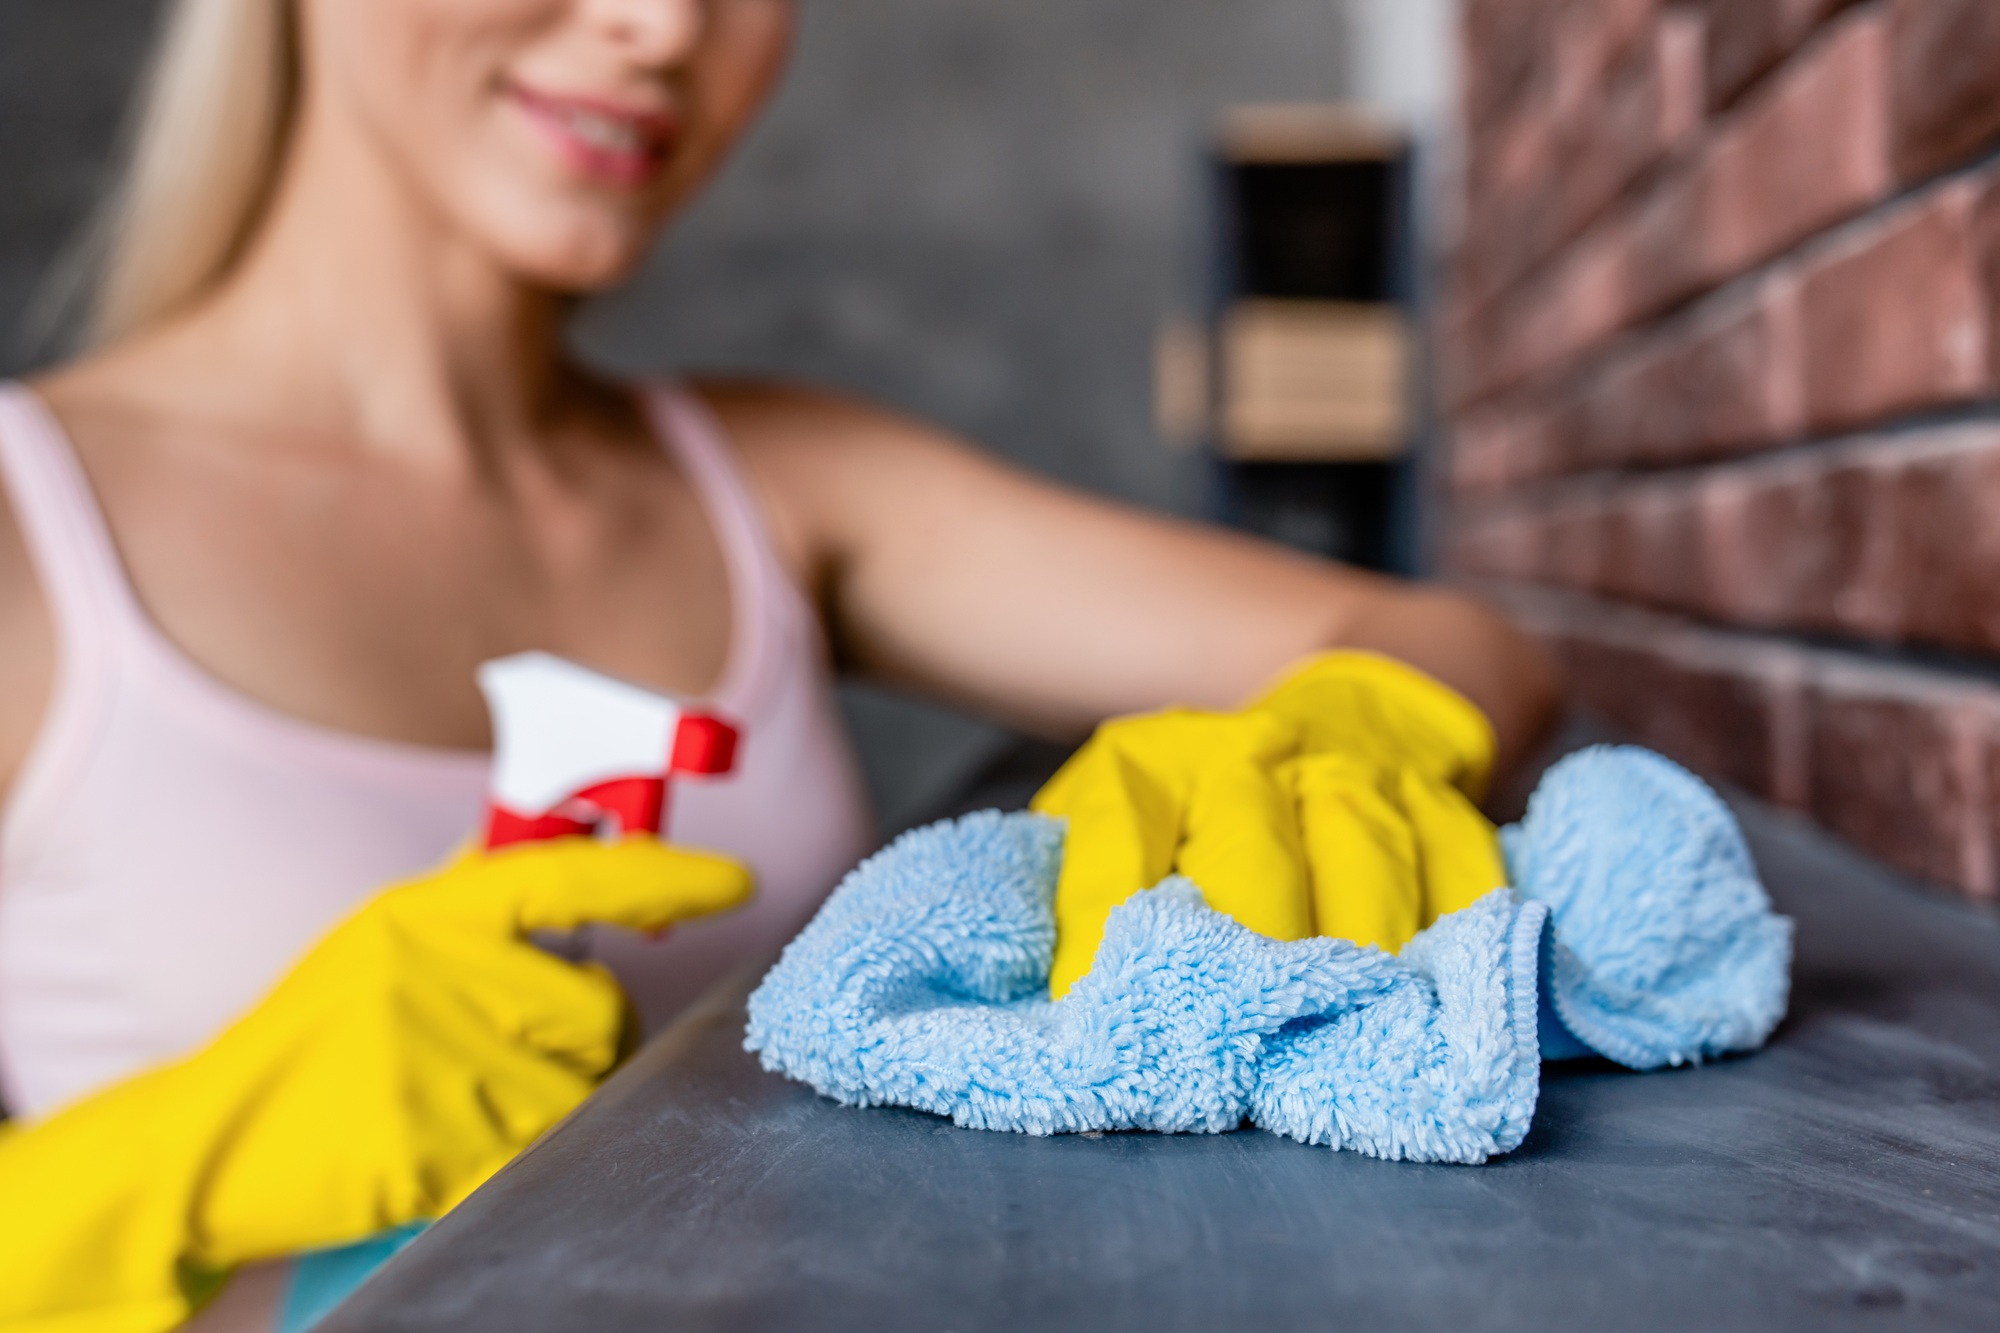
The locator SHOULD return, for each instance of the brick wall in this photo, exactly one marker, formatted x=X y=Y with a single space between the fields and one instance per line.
x=1722 y=355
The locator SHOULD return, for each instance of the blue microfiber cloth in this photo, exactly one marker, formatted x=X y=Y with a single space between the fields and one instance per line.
x=1443 y=1067
x=923 y=983
x=1665 y=949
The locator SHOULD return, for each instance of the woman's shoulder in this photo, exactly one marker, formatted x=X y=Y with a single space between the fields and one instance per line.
x=798 y=424
x=113 y=402
x=103 y=403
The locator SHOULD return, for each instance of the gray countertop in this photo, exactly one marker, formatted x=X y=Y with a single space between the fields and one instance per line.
x=1849 y=1176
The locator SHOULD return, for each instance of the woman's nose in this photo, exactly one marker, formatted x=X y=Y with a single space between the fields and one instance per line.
x=657 y=32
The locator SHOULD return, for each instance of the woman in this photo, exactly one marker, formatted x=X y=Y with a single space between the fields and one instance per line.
x=329 y=454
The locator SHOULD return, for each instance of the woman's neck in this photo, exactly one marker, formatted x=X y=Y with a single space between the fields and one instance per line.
x=373 y=321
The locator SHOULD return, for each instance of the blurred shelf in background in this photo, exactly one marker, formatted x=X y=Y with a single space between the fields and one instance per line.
x=1300 y=378
x=1313 y=381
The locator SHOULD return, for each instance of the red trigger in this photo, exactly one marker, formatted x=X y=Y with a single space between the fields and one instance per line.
x=704 y=746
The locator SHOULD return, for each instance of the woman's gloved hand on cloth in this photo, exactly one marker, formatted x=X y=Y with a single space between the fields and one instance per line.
x=923 y=982
x=1342 y=803
x=412 y=1053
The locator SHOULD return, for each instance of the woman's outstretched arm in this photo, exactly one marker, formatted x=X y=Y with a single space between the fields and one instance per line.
x=948 y=572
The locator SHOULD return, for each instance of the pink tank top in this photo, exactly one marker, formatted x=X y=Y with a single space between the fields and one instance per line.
x=172 y=847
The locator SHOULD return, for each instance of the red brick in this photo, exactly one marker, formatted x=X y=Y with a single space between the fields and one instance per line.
x=1636 y=540
x=1483 y=452
x=1576 y=541
x=1856 y=544
x=1560 y=50
x=1509 y=153
x=1594 y=35
x=1746 y=38
x=1899 y=768
x=1809 y=150
x=1903 y=762
x=1682 y=71
x=1890 y=540
x=1986 y=253
x=1718 y=545
x=1936 y=570
x=1542 y=173
x=1495 y=545
x=1652 y=544
x=1895 y=318
x=1764 y=561
x=1599 y=200
x=1503 y=444
x=1504 y=541
x=1946 y=77
x=1718 y=721
x=1505 y=46
x=1993 y=793
x=1585 y=298
x=1457 y=336
x=1728 y=706
x=1728 y=378
x=1649 y=105
x=1508 y=162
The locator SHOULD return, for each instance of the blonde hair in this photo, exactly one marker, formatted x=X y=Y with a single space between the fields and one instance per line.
x=214 y=117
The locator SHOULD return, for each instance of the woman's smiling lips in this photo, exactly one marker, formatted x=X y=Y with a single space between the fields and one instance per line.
x=612 y=144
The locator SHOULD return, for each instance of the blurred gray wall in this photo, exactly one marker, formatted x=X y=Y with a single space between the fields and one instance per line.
x=66 y=68
x=976 y=210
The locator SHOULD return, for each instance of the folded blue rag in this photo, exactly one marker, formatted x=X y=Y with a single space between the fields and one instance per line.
x=1666 y=950
x=923 y=983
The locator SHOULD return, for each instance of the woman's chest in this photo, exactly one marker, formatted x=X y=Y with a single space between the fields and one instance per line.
x=362 y=597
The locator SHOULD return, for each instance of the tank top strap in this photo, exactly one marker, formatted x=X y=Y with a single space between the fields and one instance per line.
x=769 y=607
x=64 y=529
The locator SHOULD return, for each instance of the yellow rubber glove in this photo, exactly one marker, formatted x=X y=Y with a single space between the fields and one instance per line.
x=1343 y=802
x=415 y=1051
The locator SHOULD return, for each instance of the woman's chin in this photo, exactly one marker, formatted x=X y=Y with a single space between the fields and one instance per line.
x=573 y=279
x=573 y=263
